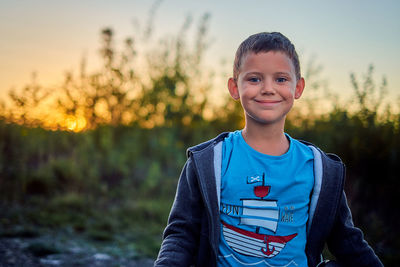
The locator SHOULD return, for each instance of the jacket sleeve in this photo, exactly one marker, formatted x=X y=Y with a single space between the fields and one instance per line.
x=180 y=239
x=346 y=242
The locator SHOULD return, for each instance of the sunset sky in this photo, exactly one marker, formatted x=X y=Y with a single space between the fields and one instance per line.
x=50 y=37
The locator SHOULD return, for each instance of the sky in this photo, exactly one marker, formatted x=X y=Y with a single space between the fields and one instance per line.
x=49 y=37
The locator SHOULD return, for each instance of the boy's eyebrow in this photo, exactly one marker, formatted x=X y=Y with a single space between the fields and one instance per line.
x=282 y=73
x=253 y=72
x=275 y=73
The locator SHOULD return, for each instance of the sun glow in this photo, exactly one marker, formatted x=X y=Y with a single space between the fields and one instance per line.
x=75 y=124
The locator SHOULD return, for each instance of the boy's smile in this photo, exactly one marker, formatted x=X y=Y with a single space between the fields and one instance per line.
x=266 y=86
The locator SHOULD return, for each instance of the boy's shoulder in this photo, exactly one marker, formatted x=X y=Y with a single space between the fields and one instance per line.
x=202 y=147
x=207 y=144
x=328 y=156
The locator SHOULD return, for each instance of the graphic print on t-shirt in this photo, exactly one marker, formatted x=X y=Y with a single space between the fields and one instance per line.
x=259 y=212
x=264 y=204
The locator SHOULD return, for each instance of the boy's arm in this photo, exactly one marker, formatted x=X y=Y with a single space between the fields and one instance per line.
x=347 y=242
x=180 y=239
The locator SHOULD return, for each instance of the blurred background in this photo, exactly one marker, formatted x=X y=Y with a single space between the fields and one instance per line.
x=99 y=101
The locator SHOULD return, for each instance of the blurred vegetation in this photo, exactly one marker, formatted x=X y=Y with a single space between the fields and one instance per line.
x=114 y=180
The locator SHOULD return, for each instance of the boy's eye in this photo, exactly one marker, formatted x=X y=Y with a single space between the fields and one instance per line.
x=281 y=80
x=254 y=79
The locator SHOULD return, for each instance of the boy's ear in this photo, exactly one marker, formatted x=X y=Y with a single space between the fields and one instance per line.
x=233 y=89
x=299 y=88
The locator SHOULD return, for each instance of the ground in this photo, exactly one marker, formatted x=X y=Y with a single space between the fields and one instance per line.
x=45 y=251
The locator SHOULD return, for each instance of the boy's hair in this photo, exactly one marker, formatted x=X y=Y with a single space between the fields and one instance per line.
x=265 y=42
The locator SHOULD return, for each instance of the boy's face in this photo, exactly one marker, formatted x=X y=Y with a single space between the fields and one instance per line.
x=266 y=86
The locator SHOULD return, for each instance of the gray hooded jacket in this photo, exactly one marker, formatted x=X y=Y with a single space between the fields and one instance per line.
x=192 y=234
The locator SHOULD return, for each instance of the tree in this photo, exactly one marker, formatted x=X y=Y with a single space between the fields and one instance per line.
x=368 y=97
x=26 y=105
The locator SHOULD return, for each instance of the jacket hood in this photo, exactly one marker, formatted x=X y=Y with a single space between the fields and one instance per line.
x=204 y=145
x=222 y=136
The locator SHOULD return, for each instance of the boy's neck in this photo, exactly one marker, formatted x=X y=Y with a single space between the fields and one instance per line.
x=267 y=140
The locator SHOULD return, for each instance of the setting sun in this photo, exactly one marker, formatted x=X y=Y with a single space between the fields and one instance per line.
x=75 y=124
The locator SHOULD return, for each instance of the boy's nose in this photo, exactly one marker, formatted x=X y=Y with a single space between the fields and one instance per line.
x=267 y=87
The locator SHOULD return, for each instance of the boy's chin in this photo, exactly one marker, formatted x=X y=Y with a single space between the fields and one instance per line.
x=265 y=121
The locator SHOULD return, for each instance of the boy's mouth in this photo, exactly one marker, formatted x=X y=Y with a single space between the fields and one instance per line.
x=268 y=102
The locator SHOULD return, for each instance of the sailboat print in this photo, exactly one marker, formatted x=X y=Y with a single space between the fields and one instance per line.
x=258 y=212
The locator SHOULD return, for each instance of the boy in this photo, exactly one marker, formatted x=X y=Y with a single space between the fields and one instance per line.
x=257 y=196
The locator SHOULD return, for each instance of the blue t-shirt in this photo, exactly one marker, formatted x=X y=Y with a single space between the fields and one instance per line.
x=264 y=204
